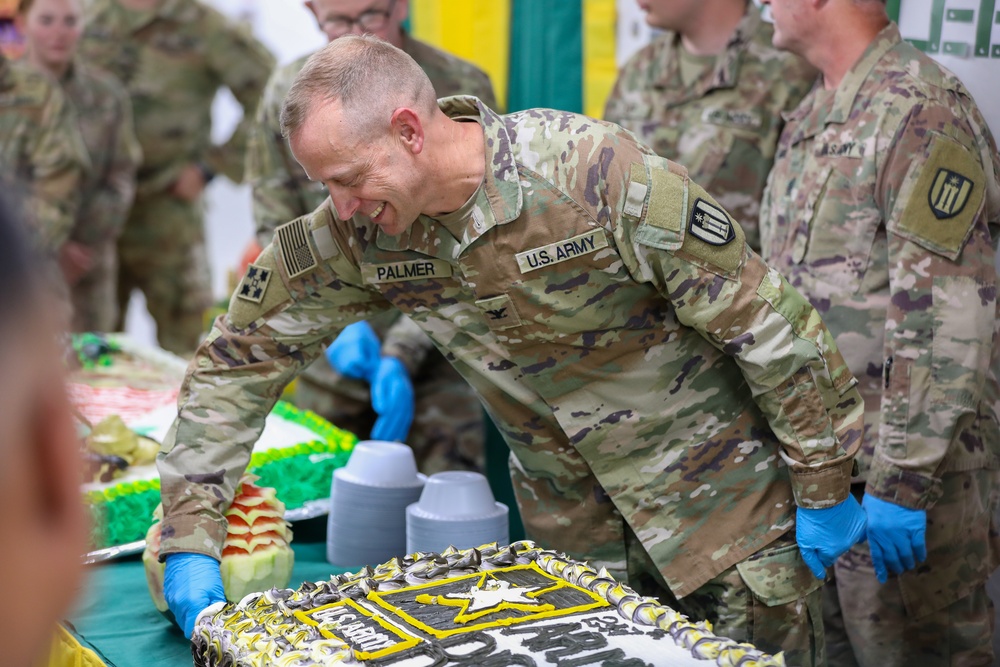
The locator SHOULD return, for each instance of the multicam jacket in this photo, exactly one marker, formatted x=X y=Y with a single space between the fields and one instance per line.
x=41 y=148
x=640 y=361
x=880 y=209
x=724 y=129
x=172 y=61
x=104 y=115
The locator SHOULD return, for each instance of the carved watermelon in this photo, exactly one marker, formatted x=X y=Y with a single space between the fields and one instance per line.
x=255 y=556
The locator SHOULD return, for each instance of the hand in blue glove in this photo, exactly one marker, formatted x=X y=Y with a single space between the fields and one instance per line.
x=824 y=534
x=392 y=400
x=191 y=583
x=896 y=536
x=355 y=352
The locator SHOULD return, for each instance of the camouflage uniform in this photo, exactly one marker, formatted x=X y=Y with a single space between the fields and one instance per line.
x=447 y=431
x=640 y=361
x=41 y=146
x=172 y=60
x=104 y=113
x=725 y=127
x=880 y=208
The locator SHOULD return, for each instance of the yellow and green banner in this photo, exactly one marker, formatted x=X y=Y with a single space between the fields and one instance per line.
x=539 y=53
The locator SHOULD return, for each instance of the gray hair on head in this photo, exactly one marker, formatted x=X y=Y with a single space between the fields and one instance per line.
x=369 y=77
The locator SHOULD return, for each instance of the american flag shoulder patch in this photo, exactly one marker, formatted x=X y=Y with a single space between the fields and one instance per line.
x=294 y=249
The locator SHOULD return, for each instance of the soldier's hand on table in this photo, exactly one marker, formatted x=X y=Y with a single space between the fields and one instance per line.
x=824 y=534
x=896 y=536
x=392 y=400
x=191 y=583
x=355 y=352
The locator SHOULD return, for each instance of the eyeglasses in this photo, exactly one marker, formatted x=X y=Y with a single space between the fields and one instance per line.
x=371 y=20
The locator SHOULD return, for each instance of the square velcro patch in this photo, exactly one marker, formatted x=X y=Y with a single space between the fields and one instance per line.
x=253 y=287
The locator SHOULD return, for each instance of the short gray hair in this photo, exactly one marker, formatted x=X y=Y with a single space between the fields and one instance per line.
x=366 y=75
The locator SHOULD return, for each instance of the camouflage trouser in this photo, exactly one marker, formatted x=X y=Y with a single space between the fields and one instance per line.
x=447 y=431
x=162 y=252
x=95 y=304
x=771 y=600
x=939 y=614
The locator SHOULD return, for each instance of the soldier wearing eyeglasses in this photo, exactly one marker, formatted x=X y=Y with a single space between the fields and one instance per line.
x=447 y=431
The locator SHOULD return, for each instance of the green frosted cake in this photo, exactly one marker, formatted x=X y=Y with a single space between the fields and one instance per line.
x=123 y=383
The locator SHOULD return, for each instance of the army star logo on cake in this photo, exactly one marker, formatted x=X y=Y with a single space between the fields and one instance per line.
x=499 y=597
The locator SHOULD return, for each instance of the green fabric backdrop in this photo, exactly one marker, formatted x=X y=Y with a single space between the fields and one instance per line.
x=546 y=55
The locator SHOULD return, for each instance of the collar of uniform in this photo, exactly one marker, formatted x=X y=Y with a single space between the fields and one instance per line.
x=501 y=188
x=814 y=113
x=849 y=86
x=727 y=64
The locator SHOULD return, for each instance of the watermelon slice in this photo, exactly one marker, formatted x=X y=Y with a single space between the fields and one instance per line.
x=256 y=555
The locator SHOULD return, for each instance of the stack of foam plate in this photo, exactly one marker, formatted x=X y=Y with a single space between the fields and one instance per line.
x=368 y=501
x=455 y=509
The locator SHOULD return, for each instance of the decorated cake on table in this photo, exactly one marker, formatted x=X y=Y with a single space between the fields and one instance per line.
x=125 y=396
x=487 y=607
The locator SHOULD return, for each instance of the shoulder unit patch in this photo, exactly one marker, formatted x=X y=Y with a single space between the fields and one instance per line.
x=710 y=224
x=254 y=284
x=941 y=197
x=948 y=193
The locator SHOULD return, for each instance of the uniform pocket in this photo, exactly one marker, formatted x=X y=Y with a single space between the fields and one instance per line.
x=778 y=576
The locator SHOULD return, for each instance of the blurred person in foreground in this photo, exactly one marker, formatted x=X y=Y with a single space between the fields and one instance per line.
x=43 y=520
x=710 y=94
x=89 y=258
x=883 y=209
x=379 y=375
x=676 y=411
x=173 y=56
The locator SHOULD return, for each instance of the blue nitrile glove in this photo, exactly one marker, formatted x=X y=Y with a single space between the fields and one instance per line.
x=191 y=583
x=392 y=400
x=824 y=534
x=896 y=536
x=355 y=352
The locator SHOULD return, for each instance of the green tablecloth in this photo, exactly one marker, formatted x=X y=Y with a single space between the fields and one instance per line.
x=116 y=617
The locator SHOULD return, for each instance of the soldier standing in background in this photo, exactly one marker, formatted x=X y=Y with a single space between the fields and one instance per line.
x=710 y=94
x=40 y=149
x=882 y=208
x=362 y=387
x=677 y=412
x=89 y=258
x=173 y=56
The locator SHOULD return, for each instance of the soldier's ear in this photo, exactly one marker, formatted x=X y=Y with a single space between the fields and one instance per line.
x=408 y=128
